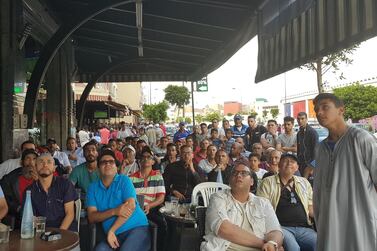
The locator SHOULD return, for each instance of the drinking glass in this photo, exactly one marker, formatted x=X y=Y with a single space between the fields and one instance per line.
x=40 y=225
x=4 y=233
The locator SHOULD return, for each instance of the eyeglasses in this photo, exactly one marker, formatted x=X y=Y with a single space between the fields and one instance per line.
x=243 y=173
x=104 y=162
x=146 y=157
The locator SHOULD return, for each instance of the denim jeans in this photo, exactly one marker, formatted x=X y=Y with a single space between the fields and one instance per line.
x=136 y=239
x=299 y=238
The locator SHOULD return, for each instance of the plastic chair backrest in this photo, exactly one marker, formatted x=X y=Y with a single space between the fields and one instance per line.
x=206 y=189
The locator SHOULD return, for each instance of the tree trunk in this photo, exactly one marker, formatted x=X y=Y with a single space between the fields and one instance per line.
x=319 y=75
x=183 y=111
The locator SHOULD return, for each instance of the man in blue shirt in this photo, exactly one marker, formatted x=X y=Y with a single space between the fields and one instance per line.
x=111 y=200
x=239 y=129
x=182 y=133
x=53 y=197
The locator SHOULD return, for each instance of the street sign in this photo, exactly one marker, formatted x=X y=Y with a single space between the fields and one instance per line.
x=202 y=85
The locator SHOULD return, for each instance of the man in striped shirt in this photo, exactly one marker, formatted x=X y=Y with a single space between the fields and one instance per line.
x=150 y=183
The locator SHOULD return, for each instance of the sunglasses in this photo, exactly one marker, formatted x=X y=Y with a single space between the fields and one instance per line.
x=104 y=162
x=293 y=198
x=243 y=173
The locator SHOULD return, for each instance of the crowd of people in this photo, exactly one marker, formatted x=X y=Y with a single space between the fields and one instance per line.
x=269 y=205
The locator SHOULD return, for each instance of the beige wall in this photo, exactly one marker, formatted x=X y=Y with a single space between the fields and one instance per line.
x=130 y=93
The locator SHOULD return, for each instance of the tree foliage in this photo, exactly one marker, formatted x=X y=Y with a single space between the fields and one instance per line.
x=274 y=112
x=199 y=118
x=156 y=112
x=360 y=101
x=229 y=114
x=331 y=63
x=188 y=120
x=265 y=112
x=254 y=114
x=177 y=95
x=212 y=115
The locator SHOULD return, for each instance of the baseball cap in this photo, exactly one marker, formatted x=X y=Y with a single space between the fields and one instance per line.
x=238 y=116
x=27 y=152
x=51 y=141
x=182 y=124
x=289 y=155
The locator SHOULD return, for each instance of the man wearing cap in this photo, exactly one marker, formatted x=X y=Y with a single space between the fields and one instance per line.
x=11 y=164
x=291 y=197
x=129 y=164
x=57 y=154
x=239 y=129
x=181 y=133
x=150 y=184
x=53 y=197
x=111 y=201
x=87 y=172
x=15 y=183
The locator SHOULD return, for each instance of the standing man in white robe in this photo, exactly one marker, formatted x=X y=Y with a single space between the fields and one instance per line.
x=345 y=180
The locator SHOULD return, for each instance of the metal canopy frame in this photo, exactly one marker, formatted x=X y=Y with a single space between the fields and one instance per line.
x=176 y=40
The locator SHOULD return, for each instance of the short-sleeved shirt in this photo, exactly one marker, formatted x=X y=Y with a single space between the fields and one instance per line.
x=287 y=140
x=80 y=157
x=62 y=157
x=82 y=178
x=151 y=186
x=117 y=193
x=51 y=204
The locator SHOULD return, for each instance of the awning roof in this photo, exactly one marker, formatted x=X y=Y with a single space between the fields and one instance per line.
x=180 y=40
x=292 y=33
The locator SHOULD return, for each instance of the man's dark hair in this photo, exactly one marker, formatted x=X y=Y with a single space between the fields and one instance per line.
x=214 y=130
x=300 y=114
x=203 y=124
x=71 y=138
x=251 y=117
x=27 y=142
x=336 y=100
x=129 y=138
x=256 y=155
x=111 y=141
x=119 y=140
x=147 y=149
x=141 y=141
x=272 y=121
x=289 y=119
x=228 y=130
x=185 y=146
x=90 y=143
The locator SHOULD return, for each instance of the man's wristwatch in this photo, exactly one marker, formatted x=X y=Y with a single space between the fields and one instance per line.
x=274 y=244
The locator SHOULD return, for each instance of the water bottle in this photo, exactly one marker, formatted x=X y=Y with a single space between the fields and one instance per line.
x=219 y=178
x=27 y=223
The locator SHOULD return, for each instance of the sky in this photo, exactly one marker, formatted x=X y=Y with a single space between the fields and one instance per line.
x=234 y=80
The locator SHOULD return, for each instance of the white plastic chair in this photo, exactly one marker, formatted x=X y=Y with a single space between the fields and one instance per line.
x=206 y=189
x=78 y=213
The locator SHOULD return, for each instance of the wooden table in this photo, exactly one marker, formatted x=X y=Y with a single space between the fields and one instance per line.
x=68 y=241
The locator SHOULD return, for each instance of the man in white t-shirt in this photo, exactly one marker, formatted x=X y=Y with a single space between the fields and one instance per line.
x=269 y=139
x=84 y=136
x=287 y=141
x=12 y=164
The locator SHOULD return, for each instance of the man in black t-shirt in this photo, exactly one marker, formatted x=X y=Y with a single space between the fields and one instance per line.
x=253 y=133
x=291 y=197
